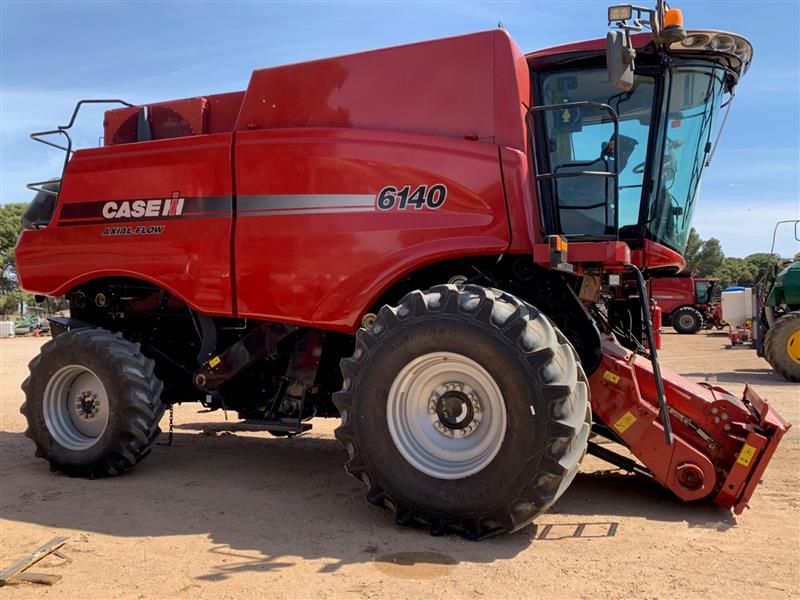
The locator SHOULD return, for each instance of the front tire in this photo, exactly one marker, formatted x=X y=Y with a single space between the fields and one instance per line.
x=782 y=346
x=687 y=320
x=464 y=409
x=92 y=403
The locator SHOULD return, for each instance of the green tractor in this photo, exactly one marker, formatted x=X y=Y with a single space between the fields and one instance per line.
x=778 y=338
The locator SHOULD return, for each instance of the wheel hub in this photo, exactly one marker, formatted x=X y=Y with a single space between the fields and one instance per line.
x=76 y=407
x=446 y=415
x=87 y=405
x=454 y=409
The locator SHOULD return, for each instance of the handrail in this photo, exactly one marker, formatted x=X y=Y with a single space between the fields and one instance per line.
x=550 y=175
x=38 y=186
x=63 y=130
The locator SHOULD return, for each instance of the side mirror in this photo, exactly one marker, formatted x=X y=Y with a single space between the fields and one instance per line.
x=620 y=60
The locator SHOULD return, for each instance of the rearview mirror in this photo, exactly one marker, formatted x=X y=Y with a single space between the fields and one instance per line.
x=619 y=60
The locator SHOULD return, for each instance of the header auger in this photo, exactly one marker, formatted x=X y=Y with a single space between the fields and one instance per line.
x=455 y=270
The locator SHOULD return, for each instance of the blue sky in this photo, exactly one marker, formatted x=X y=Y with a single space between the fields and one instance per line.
x=54 y=53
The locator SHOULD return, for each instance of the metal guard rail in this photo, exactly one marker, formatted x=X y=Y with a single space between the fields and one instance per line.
x=552 y=176
x=39 y=136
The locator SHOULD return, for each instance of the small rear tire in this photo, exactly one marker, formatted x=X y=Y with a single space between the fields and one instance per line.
x=463 y=409
x=782 y=346
x=687 y=320
x=92 y=403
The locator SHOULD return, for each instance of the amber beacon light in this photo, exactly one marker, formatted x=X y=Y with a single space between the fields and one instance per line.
x=673 y=30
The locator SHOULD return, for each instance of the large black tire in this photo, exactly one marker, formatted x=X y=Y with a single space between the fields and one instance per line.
x=687 y=320
x=546 y=399
x=134 y=407
x=781 y=346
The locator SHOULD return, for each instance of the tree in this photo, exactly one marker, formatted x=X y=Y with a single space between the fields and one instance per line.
x=11 y=297
x=10 y=226
x=711 y=257
x=734 y=271
x=702 y=257
x=759 y=262
x=10 y=302
x=692 y=252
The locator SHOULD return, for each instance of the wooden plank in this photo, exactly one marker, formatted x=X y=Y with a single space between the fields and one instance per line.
x=35 y=578
x=7 y=574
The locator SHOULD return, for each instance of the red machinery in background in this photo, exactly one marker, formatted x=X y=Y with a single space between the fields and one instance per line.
x=689 y=303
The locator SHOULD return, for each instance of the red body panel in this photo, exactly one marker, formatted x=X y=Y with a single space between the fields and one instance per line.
x=673 y=292
x=655 y=256
x=177 y=118
x=335 y=261
x=340 y=128
x=191 y=258
x=523 y=214
x=638 y=40
x=471 y=85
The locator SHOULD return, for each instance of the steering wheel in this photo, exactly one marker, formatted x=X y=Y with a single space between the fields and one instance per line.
x=639 y=169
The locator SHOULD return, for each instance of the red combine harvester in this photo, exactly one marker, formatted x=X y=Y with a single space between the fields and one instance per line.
x=688 y=303
x=430 y=242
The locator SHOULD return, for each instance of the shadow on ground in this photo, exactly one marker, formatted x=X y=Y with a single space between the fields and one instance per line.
x=267 y=503
x=621 y=495
x=764 y=376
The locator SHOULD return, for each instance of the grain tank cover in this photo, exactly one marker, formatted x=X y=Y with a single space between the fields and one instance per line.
x=469 y=86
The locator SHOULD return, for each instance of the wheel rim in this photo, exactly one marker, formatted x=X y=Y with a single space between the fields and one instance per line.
x=686 y=321
x=793 y=347
x=446 y=415
x=76 y=407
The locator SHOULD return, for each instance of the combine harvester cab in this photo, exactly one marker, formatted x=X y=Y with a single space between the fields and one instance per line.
x=462 y=282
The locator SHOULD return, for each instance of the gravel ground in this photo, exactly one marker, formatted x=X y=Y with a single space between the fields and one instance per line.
x=230 y=515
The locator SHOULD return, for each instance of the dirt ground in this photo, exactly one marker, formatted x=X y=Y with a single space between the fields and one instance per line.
x=231 y=515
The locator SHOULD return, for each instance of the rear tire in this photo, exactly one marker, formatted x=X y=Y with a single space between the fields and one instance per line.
x=687 y=320
x=517 y=372
x=782 y=346
x=92 y=403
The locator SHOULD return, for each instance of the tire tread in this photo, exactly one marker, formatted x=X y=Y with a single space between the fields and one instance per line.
x=546 y=351
x=140 y=401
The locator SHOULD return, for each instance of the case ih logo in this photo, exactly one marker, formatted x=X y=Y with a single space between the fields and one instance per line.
x=127 y=209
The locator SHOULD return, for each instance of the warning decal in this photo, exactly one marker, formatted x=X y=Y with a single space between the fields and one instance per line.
x=624 y=422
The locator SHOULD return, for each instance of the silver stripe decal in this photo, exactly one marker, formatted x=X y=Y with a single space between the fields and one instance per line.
x=308 y=211
x=295 y=202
